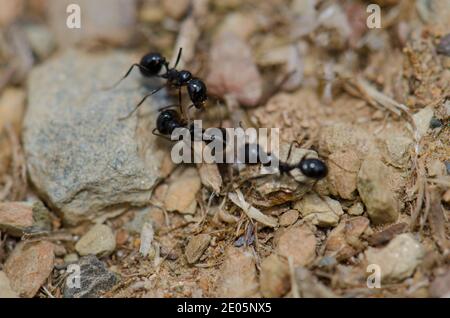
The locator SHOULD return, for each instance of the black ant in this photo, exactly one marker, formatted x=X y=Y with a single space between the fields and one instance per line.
x=310 y=167
x=151 y=65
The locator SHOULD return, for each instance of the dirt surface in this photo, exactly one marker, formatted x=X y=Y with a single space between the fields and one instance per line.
x=80 y=187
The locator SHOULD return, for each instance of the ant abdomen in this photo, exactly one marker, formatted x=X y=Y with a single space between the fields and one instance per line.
x=313 y=168
x=197 y=92
x=168 y=121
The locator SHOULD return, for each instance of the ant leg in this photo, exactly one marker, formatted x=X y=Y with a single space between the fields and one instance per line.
x=178 y=57
x=290 y=149
x=154 y=132
x=141 y=102
x=126 y=75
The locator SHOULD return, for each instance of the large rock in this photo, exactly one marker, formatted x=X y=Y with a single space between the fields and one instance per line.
x=82 y=159
x=374 y=189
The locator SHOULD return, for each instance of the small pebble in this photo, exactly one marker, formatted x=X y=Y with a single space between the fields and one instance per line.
x=398 y=259
x=444 y=45
x=99 y=240
x=299 y=243
x=356 y=209
x=95 y=278
x=435 y=123
x=29 y=266
x=196 y=247
x=288 y=218
x=274 y=278
x=238 y=276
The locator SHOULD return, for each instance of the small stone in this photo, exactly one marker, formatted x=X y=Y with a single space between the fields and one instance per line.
x=233 y=71
x=343 y=169
x=182 y=192
x=71 y=258
x=196 y=247
x=397 y=149
x=435 y=123
x=398 y=259
x=447 y=166
x=95 y=278
x=238 y=277
x=356 y=209
x=15 y=217
x=444 y=45
x=319 y=211
x=29 y=266
x=176 y=8
x=422 y=120
x=299 y=243
x=342 y=240
x=5 y=287
x=288 y=218
x=274 y=278
x=99 y=240
x=114 y=25
x=373 y=187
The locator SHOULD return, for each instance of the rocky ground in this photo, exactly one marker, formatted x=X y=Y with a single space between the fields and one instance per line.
x=78 y=186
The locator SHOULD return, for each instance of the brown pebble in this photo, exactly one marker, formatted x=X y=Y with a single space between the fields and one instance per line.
x=274 y=278
x=299 y=243
x=28 y=267
x=238 y=277
x=196 y=247
x=15 y=217
x=288 y=218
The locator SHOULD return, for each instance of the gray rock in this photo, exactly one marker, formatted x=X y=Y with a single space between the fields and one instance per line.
x=373 y=187
x=82 y=159
x=95 y=279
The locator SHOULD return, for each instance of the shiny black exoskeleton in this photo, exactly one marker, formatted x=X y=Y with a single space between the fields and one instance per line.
x=311 y=167
x=169 y=120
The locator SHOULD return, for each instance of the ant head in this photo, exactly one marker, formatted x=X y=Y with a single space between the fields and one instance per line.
x=167 y=121
x=197 y=92
x=152 y=63
x=313 y=168
x=184 y=77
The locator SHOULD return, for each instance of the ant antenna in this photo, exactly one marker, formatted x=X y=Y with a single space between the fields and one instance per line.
x=141 y=102
x=126 y=75
x=178 y=57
